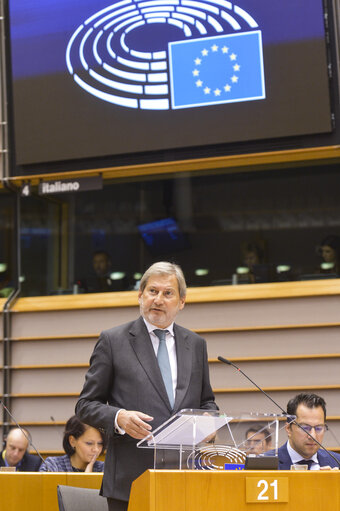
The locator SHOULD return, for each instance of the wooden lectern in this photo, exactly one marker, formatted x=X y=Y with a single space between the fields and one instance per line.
x=244 y=490
x=201 y=483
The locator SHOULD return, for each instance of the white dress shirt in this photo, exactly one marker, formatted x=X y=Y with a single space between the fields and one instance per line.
x=295 y=457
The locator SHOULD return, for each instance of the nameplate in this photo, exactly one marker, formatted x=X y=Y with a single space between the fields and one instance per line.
x=262 y=490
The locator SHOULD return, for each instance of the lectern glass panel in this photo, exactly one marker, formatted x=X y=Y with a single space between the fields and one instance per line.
x=212 y=440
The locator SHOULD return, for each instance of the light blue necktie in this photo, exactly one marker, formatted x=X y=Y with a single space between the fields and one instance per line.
x=164 y=364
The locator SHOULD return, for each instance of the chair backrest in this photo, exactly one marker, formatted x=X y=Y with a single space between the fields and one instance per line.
x=71 y=498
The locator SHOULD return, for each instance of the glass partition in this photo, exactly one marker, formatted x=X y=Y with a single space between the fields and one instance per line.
x=213 y=440
x=222 y=228
x=44 y=245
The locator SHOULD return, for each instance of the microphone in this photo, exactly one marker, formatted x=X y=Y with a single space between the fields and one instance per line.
x=225 y=361
x=56 y=425
x=292 y=421
x=26 y=434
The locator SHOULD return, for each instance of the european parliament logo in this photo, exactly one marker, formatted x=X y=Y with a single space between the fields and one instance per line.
x=208 y=52
x=215 y=70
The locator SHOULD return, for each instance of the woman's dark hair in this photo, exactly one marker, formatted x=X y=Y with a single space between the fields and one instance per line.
x=74 y=427
x=332 y=241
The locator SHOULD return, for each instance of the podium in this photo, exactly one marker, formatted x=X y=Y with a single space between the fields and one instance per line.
x=212 y=440
x=202 y=480
x=195 y=490
x=207 y=445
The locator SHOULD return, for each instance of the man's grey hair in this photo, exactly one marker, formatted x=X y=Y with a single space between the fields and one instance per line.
x=165 y=268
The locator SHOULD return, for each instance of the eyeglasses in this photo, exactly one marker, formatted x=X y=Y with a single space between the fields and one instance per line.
x=308 y=429
x=254 y=442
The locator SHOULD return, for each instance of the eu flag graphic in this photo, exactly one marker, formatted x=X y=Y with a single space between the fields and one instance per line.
x=214 y=70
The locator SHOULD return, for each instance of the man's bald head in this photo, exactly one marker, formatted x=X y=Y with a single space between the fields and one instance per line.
x=16 y=446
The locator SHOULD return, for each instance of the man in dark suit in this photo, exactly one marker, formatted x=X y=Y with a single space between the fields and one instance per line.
x=15 y=453
x=310 y=411
x=258 y=439
x=125 y=392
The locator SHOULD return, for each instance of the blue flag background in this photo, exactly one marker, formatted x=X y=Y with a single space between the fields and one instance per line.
x=213 y=70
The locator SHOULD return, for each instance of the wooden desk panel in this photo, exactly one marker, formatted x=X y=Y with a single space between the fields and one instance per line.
x=210 y=294
x=37 y=491
x=163 y=490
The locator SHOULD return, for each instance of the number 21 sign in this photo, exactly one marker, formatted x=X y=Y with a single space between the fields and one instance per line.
x=267 y=489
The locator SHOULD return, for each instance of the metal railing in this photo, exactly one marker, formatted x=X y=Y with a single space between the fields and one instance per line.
x=4 y=131
x=4 y=177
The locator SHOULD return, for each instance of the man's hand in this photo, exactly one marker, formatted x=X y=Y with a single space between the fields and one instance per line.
x=133 y=423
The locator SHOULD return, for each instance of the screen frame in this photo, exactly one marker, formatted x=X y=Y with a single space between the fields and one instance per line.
x=198 y=154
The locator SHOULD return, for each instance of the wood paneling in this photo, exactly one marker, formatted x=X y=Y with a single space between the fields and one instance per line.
x=212 y=294
x=284 y=336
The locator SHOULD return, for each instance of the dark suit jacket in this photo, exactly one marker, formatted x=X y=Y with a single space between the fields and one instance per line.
x=285 y=460
x=29 y=463
x=124 y=373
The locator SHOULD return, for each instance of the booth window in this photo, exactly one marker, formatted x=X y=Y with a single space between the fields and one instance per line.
x=222 y=228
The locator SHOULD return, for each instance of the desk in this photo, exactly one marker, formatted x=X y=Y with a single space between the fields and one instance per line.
x=37 y=491
x=165 y=490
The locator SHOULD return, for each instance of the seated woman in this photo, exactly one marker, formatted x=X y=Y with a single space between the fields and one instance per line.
x=82 y=444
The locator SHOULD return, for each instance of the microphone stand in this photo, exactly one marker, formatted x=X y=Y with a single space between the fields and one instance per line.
x=293 y=421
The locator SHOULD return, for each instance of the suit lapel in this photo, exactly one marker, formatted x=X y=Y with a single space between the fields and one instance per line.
x=324 y=459
x=284 y=458
x=184 y=363
x=142 y=346
x=321 y=459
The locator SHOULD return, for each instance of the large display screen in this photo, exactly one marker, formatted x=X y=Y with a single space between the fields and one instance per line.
x=105 y=78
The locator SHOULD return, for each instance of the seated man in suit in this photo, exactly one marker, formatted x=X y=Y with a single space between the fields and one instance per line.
x=141 y=373
x=15 y=453
x=310 y=411
x=258 y=439
x=100 y=279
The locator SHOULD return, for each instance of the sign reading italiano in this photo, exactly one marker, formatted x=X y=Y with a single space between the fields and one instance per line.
x=71 y=185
